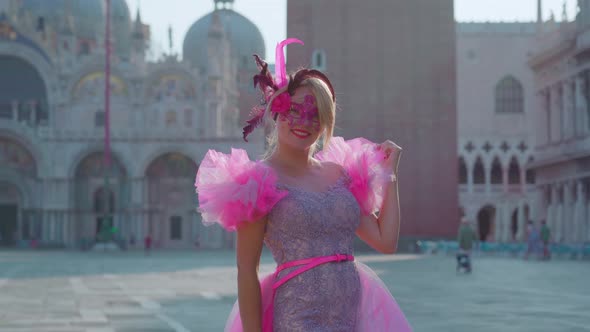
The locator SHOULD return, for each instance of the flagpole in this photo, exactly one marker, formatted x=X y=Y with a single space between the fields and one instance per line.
x=107 y=123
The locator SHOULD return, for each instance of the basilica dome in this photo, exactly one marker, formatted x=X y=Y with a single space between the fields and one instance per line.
x=244 y=36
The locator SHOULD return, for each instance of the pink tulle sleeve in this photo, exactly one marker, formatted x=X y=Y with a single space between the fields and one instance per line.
x=364 y=164
x=233 y=190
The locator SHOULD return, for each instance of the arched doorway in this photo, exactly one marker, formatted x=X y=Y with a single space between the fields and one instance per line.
x=101 y=212
x=18 y=171
x=10 y=203
x=485 y=222
x=104 y=209
x=171 y=199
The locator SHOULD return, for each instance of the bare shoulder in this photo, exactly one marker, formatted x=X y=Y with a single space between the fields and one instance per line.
x=331 y=167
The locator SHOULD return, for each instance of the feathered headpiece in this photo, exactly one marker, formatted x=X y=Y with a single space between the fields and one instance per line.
x=269 y=85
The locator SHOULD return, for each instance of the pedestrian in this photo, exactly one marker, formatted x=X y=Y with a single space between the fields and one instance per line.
x=533 y=239
x=465 y=238
x=546 y=238
x=148 y=244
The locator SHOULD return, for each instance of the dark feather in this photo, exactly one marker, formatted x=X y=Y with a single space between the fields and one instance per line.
x=255 y=121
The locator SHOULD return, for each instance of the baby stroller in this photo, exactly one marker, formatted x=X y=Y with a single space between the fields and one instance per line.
x=463 y=262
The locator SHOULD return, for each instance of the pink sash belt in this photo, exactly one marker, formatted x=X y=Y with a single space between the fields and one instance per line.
x=304 y=265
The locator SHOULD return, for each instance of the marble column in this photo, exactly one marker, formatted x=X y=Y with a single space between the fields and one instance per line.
x=542 y=123
x=583 y=106
x=552 y=211
x=33 y=113
x=521 y=222
x=555 y=119
x=579 y=213
x=568 y=209
x=568 y=109
x=14 y=105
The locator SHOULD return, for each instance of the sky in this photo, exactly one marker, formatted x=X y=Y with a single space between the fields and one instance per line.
x=181 y=14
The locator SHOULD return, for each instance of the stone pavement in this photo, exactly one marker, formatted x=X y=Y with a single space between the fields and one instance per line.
x=194 y=291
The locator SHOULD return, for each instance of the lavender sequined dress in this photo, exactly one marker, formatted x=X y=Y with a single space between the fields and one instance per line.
x=310 y=224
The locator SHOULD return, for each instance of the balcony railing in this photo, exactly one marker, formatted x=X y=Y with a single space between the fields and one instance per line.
x=32 y=113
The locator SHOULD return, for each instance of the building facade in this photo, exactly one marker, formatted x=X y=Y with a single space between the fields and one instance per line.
x=561 y=66
x=392 y=64
x=164 y=116
x=496 y=111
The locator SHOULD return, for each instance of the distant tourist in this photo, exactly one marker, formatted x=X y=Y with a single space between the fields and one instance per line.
x=465 y=238
x=533 y=239
x=148 y=243
x=545 y=238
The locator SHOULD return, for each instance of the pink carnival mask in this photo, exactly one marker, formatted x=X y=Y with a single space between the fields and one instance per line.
x=305 y=114
x=297 y=114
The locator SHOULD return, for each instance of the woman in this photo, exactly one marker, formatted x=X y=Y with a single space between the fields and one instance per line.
x=307 y=209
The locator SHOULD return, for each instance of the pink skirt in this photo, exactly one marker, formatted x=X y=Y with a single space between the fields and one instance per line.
x=378 y=310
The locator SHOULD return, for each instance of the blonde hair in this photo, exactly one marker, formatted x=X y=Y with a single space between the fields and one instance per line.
x=326 y=111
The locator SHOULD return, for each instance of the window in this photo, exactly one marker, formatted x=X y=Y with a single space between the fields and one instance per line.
x=99 y=118
x=509 y=96
x=170 y=118
x=513 y=172
x=496 y=171
x=188 y=117
x=175 y=228
x=84 y=48
x=462 y=171
x=478 y=172
x=318 y=60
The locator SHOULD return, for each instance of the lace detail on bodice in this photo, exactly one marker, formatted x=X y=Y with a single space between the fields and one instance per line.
x=308 y=224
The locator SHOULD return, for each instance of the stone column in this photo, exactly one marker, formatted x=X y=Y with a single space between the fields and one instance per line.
x=568 y=211
x=523 y=184
x=552 y=211
x=15 y=110
x=580 y=213
x=521 y=222
x=581 y=106
x=33 y=113
x=541 y=132
x=504 y=179
x=470 y=168
x=568 y=109
x=555 y=119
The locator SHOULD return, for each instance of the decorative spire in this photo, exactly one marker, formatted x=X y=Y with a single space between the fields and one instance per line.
x=138 y=15
x=564 y=12
x=67 y=27
x=138 y=26
x=170 y=39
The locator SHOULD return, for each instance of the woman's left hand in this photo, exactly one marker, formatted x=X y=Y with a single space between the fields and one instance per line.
x=393 y=153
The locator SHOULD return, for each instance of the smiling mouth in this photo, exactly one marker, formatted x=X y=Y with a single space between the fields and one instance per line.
x=300 y=133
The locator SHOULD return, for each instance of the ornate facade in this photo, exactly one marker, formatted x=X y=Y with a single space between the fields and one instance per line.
x=496 y=107
x=561 y=64
x=164 y=116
